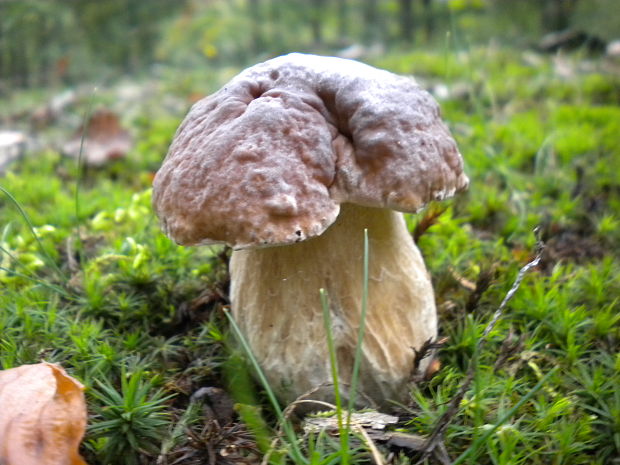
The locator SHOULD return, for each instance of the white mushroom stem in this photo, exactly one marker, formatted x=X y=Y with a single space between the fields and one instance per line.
x=276 y=302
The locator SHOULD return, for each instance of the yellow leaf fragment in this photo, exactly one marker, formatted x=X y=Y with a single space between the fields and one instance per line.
x=42 y=416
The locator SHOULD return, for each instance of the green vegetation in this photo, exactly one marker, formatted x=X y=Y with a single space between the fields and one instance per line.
x=130 y=419
x=95 y=286
x=64 y=42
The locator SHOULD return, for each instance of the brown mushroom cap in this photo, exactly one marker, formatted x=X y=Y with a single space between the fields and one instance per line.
x=269 y=158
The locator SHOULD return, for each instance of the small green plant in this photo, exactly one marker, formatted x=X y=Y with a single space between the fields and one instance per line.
x=130 y=422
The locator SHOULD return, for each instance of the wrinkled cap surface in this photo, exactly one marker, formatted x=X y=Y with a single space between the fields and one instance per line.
x=269 y=158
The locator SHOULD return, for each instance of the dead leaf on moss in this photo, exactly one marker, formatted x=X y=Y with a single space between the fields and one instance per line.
x=42 y=416
x=105 y=140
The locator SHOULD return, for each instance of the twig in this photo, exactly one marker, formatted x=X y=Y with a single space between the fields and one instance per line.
x=427 y=350
x=430 y=218
x=374 y=452
x=436 y=438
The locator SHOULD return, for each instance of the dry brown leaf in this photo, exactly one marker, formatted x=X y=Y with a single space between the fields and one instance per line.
x=42 y=416
x=105 y=140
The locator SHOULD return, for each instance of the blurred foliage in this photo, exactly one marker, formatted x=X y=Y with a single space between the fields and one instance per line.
x=50 y=41
x=45 y=42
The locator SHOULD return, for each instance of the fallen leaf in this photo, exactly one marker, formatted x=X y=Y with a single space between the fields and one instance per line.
x=105 y=140
x=42 y=416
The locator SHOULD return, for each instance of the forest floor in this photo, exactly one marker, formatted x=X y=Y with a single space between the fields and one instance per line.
x=96 y=287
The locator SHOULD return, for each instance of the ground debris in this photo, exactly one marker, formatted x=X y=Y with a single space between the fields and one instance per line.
x=101 y=140
x=219 y=405
x=570 y=244
x=214 y=445
x=375 y=427
x=571 y=39
x=371 y=420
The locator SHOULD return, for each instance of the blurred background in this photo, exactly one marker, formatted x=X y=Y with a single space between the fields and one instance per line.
x=63 y=42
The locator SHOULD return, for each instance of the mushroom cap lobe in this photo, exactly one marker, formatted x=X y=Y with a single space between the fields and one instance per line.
x=268 y=159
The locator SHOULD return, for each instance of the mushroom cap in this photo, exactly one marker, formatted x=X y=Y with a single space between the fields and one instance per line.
x=269 y=158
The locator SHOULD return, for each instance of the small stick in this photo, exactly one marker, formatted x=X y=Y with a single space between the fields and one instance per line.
x=376 y=455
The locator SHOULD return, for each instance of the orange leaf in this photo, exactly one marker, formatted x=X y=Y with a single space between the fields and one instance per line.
x=42 y=416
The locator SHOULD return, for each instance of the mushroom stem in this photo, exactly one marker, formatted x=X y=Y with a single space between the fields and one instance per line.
x=276 y=302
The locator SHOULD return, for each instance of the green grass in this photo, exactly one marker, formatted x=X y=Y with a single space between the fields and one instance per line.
x=139 y=320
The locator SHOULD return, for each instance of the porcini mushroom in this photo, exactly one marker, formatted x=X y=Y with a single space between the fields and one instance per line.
x=288 y=163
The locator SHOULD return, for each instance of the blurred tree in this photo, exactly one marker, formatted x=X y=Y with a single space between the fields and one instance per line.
x=256 y=22
x=429 y=19
x=557 y=14
x=406 y=20
x=316 y=19
x=122 y=32
x=275 y=22
x=43 y=41
x=35 y=38
x=407 y=17
x=371 y=31
x=343 y=19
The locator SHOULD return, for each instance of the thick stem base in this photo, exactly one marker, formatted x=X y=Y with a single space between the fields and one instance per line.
x=276 y=302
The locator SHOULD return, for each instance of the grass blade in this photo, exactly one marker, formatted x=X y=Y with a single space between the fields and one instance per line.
x=327 y=320
x=39 y=282
x=360 y=336
x=26 y=218
x=333 y=361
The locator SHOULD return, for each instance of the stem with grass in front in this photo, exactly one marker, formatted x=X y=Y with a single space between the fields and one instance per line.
x=360 y=335
x=344 y=432
x=286 y=426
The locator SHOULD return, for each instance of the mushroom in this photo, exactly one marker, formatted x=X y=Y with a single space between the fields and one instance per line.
x=288 y=163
